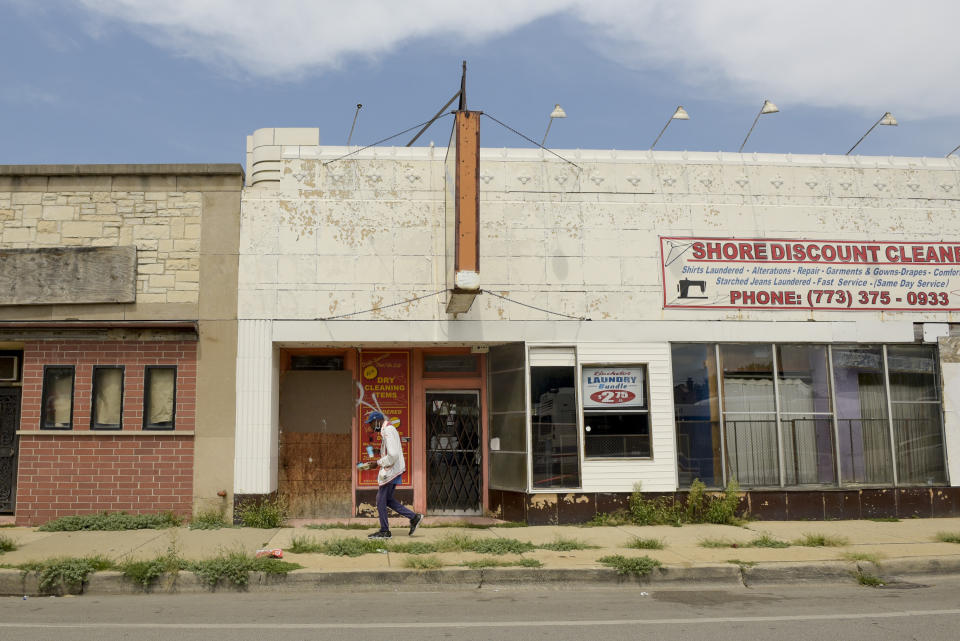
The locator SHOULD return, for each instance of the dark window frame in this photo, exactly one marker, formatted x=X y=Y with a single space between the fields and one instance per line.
x=146 y=398
x=592 y=411
x=93 y=397
x=43 y=397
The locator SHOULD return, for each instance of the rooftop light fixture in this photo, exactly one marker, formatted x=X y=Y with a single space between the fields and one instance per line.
x=557 y=112
x=679 y=114
x=953 y=151
x=767 y=108
x=886 y=119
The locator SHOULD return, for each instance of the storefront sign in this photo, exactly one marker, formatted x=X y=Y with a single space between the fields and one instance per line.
x=776 y=274
x=612 y=387
x=385 y=382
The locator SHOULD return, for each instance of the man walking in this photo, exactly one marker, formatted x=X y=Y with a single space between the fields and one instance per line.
x=392 y=467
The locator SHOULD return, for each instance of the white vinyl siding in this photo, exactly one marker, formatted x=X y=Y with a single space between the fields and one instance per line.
x=659 y=473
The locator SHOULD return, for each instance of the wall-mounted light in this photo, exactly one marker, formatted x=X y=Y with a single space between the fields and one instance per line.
x=886 y=119
x=557 y=112
x=679 y=114
x=767 y=108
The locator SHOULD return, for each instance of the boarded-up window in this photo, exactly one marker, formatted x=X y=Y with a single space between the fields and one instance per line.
x=107 y=398
x=160 y=387
x=57 y=409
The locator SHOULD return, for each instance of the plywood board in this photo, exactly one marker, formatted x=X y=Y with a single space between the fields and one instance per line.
x=68 y=275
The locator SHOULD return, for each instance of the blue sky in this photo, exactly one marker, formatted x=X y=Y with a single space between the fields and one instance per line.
x=101 y=81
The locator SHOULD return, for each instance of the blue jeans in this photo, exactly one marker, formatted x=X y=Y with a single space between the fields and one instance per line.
x=385 y=499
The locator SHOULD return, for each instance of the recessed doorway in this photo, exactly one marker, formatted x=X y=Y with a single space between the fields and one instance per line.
x=453 y=453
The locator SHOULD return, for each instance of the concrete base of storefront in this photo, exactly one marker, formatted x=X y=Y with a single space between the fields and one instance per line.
x=762 y=505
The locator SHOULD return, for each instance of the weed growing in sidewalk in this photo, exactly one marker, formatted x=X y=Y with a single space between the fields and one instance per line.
x=767 y=541
x=699 y=507
x=610 y=519
x=235 y=567
x=717 y=543
x=263 y=513
x=339 y=526
x=416 y=547
x=561 y=544
x=489 y=562
x=7 y=544
x=422 y=563
x=635 y=565
x=821 y=541
x=868 y=580
x=885 y=519
x=147 y=572
x=645 y=544
x=345 y=546
x=862 y=556
x=111 y=521
x=742 y=564
x=948 y=537
x=208 y=520
x=65 y=573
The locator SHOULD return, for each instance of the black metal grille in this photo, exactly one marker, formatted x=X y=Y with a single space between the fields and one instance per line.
x=453 y=452
x=9 y=419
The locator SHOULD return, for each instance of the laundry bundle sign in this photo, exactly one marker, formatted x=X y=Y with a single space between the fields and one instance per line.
x=612 y=387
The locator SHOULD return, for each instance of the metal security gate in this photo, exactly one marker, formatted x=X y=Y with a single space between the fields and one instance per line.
x=453 y=453
x=9 y=423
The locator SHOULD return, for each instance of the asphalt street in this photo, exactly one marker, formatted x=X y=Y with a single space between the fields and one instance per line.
x=922 y=609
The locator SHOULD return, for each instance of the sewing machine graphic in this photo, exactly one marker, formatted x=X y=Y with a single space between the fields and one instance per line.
x=684 y=286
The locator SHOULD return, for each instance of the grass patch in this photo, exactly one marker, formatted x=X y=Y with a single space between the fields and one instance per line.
x=208 y=520
x=821 y=541
x=699 y=507
x=645 y=544
x=474 y=526
x=422 y=563
x=415 y=547
x=65 y=573
x=7 y=544
x=868 y=580
x=113 y=521
x=862 y=556
x=266 y=513
x=636 y=565
x=767 y=541
x=338 y=526
x=490 y=562
x=345 y=546
x=948 y=537
x=885 y=519
x=235 y=567
x=716 y=543
x=609 y=519
x=353 y=546
x=742 y=564
x=561 y=544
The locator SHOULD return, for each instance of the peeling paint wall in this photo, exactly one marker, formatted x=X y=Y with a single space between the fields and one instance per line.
x=367 y=232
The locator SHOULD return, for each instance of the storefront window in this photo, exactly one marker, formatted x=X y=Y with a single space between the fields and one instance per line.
x=160 y=392
x=553 y=415
x=107 y=398
x=915 y=402
x=696 y=406
x=863 y=426
x=806 y=417
x=57 y=399
x=616 y=417
x=749 y=414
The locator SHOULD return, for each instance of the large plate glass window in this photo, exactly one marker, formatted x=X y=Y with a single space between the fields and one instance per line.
x=749 y=413
x=863 y=425
x=696 y=407
x=56 y=410
x=160 y=393
x=107 y=410
x=553 y=417
x=915 y=405
x=806 y=416
x=616 y=413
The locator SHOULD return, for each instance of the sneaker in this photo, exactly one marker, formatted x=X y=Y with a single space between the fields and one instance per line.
x=380 y=535
x=414 y=522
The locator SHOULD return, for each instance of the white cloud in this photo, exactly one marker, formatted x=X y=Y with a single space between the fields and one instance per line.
x=873 y=55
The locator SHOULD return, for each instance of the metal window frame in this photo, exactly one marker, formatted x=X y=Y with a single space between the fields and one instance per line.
x=43 y=396
x=582 y=412
x=146 y=398
x=94 y=425
x=529 y=395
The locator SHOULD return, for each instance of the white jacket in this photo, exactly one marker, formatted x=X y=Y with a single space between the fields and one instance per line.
x=391 y=462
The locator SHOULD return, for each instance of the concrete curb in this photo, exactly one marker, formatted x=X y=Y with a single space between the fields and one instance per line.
x=15 y=583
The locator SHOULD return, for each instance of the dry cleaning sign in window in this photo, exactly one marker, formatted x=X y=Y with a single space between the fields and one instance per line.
x=776 y=274
x=612 y=387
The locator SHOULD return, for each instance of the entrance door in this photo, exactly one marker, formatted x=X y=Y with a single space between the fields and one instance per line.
x=453 y=453
x=9 y=423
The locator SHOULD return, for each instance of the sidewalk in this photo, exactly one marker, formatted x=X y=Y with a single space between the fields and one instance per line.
x=883 y=549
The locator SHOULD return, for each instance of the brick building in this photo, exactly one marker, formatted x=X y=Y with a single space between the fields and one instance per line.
x=117 y=338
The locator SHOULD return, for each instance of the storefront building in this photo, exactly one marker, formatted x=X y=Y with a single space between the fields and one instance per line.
x=117 y=332
x=788 y=322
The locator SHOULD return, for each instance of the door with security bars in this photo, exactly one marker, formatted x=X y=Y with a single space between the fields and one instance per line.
x=453 y=453
x=9 y=423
